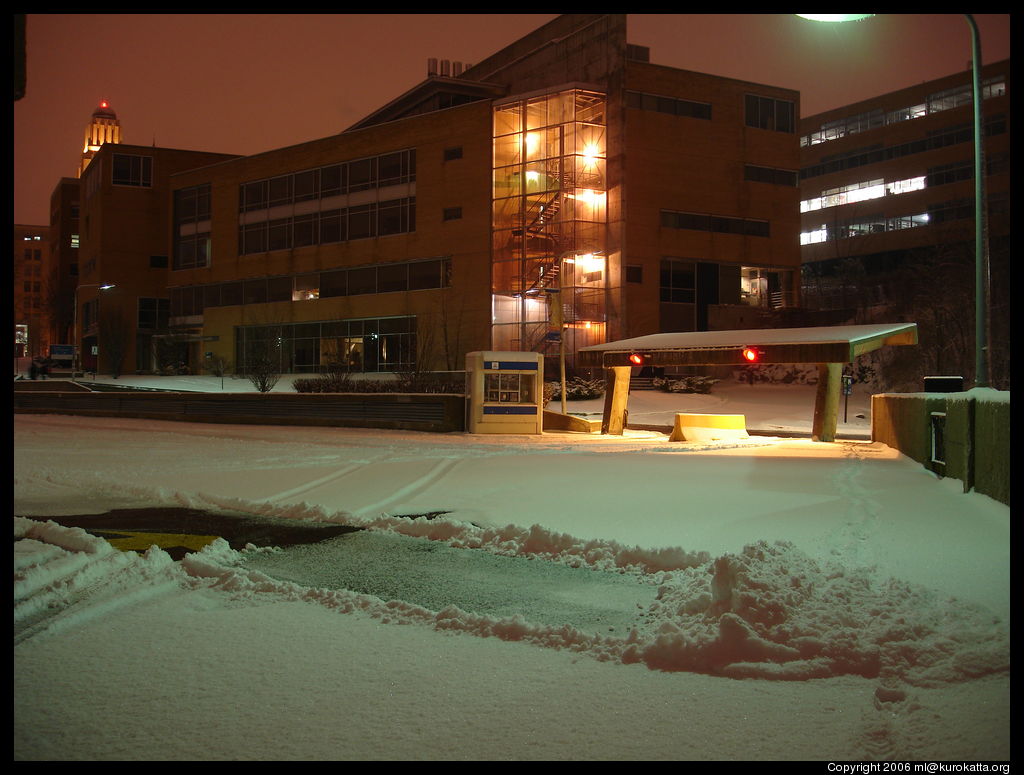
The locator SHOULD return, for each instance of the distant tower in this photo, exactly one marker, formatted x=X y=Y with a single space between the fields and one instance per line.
x=104 y=128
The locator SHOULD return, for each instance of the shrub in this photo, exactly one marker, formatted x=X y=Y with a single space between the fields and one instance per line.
x=692 y=384
x=342 y=382
x=577 y=389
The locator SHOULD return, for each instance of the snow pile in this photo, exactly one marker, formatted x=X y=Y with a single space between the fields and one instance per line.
x=769 y=612
x=63 y=576
x=773 y=612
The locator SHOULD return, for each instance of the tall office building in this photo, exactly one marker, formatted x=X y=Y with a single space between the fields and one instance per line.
x=887 y=214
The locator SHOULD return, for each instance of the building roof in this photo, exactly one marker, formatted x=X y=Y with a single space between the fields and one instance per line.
x=822 y=344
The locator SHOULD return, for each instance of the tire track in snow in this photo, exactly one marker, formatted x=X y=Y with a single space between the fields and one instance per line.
x=308 y=486
x=437 y=473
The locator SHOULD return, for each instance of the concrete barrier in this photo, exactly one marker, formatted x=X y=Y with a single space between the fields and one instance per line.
x=709 y=427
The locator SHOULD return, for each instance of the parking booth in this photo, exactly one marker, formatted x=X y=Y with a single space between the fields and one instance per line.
x=505 y=392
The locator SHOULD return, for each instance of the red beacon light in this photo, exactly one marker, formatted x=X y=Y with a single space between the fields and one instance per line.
x=638 y=359
x=753 y=354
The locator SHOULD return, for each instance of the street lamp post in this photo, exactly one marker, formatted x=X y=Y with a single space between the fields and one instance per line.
x=981 y=256
x=74 y=325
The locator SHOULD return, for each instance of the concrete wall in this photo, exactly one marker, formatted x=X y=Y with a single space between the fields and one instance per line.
x=976 y=436
x=419 y=412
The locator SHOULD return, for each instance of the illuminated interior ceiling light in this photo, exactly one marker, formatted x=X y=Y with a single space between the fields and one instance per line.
x=532 y=176
x=532 y=142
x=591 y=153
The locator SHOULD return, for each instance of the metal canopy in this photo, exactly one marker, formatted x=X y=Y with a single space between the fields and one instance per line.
x=827 y=346
x=823 y=344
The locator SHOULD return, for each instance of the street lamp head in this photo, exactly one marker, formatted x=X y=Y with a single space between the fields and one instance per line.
x=835 y=17
x=106 y=286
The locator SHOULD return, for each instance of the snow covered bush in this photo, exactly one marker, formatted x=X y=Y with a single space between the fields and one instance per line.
x=779 y=373
x=577 y=389
x=691 y=384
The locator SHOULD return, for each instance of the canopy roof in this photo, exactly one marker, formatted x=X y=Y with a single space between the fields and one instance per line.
x=824 y=344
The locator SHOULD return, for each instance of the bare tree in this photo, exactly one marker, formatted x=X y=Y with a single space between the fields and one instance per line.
x=263 y=358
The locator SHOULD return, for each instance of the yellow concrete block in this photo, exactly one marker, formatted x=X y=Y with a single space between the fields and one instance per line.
x=709 y=427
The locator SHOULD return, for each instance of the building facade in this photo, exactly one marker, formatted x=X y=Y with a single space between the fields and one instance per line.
x=563 y=188
x=120 y=301
x=31 y=259
x=887 y=213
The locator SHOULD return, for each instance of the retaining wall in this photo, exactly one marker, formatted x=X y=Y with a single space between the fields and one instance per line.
x=975 y=434
x=439 y=412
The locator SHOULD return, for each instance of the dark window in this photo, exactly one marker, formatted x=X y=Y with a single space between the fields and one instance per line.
x=361 y=222
x=254 y=291
x=279 y=234
x=452 y=213
x=391 y=169
x=254 y=196
x=211 y=296
x=451 y=154
x=254 y=238
x=306 y=185
x=132 y=170
x=334 y=284
x=770 y=113
x=362 y=280
x=280 y=190
x=230 y=294
x=634 y=274
x=678 y=278
x=332 y=180
x=279 y=289
x=362 y=174
x=332 y=227
x=392 y=278
x=304 y=230
x=158 y=262
x=153 y=313
x=425 y=274
x=392 y=217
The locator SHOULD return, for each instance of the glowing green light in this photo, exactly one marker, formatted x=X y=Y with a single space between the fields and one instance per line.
x=835 y=17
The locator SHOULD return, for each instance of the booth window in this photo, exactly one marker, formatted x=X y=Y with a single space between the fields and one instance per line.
x=509 y=388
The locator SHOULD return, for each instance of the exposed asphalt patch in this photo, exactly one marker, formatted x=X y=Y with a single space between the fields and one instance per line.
x=434 y=575
x=161 y=526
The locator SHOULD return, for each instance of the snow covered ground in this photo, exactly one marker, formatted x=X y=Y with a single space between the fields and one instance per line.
x=814 y=601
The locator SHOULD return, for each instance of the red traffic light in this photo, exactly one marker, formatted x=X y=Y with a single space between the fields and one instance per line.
x=638 y=359
x=753 y=354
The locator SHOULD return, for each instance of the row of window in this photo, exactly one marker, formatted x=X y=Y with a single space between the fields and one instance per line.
x=347 y=177
x=959 y=209
x=962 y=133
x=382 y=278
x=720 y=224
x=376 y=219
x=934 y=103
x=874 y=189
x=673 y=106
x=361 y=345
x=772 y=175
x=759 y=112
